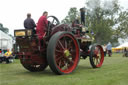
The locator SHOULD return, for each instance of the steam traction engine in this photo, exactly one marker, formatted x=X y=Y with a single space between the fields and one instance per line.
x=61 y=48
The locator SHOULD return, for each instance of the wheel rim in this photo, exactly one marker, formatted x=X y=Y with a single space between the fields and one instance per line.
x=66 y=53
x=98 y=56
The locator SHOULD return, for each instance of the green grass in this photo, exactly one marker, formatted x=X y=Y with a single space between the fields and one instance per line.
x=113 y=72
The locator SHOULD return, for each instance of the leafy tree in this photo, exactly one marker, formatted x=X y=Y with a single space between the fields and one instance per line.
x=101 y=18
x=122 y=22
x=72 y=15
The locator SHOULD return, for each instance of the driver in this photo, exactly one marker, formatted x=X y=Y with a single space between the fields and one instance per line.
x=42 y=25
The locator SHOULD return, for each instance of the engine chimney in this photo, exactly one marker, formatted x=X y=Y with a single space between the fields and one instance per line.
x=82 y=13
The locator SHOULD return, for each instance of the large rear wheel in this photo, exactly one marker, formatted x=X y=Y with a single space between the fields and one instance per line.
x=96 y=56
x=63 y=53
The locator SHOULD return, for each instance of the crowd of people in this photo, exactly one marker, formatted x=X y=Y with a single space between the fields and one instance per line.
x=108 y=50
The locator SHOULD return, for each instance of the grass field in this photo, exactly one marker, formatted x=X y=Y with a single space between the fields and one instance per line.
x=113 y=72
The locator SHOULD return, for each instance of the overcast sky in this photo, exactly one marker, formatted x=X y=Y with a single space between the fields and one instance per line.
x=13 y=12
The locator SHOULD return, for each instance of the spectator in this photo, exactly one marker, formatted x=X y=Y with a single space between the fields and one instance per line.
x=29 y=23
x=104 y=49
x=125 y=54
x=7 y=55
x=109 y=49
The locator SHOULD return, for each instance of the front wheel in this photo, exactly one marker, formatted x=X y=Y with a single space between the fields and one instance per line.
x=96 y=56
x=63 y=53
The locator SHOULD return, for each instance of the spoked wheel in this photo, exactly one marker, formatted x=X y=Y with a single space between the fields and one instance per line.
x=63 y=53
x=96 y=56
x=34 y=68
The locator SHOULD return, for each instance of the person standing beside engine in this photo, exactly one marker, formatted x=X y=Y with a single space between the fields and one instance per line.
x=109 y=49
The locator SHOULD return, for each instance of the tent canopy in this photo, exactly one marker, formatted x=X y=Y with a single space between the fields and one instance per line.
x=5 y=41
x=123 y=45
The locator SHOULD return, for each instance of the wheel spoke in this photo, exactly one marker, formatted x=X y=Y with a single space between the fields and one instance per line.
x=94 y=59
x=58 y=54
x=61 y=44
x=65 y=42
x=97 y=62
x=99 y=55
x=66 y=66
x=71 y=62
x=99 y=52
x=53 y=21
x=58 y=58
x=63 y=65
x=96 y=51
x=70 y=45
x=60 y=63
x=59 y=51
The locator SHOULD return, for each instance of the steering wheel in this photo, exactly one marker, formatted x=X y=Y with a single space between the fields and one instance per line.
x=52 y=21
